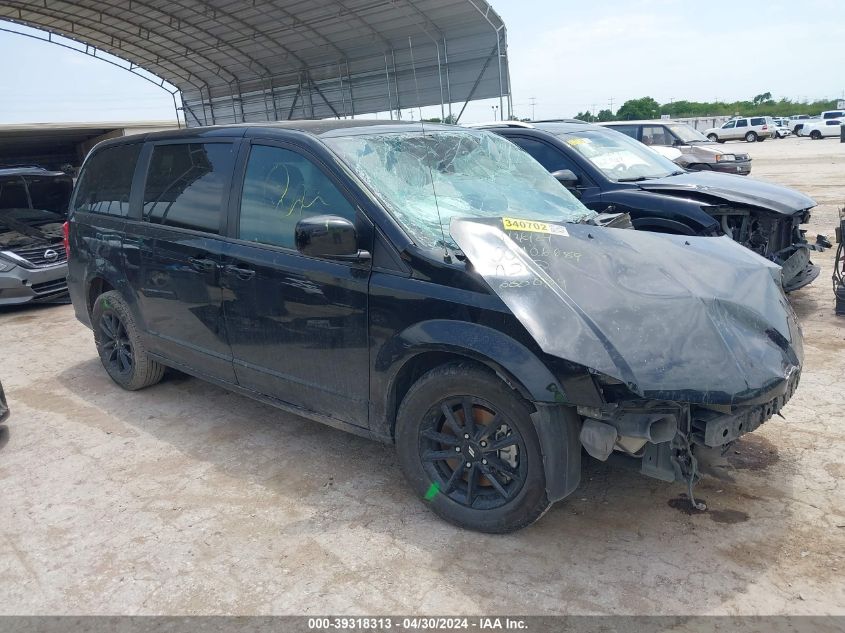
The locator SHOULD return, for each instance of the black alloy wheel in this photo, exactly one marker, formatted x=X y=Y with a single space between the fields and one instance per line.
x=114 y=339
x=471 y=453
x=120 y=345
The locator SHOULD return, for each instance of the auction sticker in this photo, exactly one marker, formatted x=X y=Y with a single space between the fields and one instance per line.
x=533 y=226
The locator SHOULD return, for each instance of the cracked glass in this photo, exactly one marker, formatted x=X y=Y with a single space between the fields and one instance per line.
x=425 y=179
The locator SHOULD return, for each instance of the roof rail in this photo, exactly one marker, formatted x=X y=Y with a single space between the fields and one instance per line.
x=500 y=124
x=560 y=121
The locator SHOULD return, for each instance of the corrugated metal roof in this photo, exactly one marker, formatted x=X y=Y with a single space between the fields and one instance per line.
x=237 y=61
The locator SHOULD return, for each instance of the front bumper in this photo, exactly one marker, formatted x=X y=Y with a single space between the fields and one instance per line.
x=798 y=270
x=22 y=285
x=711 y=428
x=743 y=168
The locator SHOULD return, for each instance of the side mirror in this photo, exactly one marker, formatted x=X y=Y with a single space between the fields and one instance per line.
x=328 y=236
x=677 y=142
x=566 y=177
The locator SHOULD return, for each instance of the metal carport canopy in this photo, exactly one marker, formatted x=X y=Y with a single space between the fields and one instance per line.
x=237 y=61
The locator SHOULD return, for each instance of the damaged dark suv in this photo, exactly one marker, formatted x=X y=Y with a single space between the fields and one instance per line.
x=432 y=287
x=606 y=168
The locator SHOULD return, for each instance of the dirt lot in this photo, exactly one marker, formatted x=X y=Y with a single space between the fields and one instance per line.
x=185 y=498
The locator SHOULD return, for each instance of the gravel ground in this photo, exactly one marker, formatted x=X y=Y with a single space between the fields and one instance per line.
x=187 y=499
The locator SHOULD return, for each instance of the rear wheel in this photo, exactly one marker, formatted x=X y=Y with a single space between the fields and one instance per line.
x=750 y=137
x=467 y=445
x=119 y=344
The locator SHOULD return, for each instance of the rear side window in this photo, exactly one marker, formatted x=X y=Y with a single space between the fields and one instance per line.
x=628 y=130
x=280 y=188
x=742 y=123
x=758 y=121
x=106 y=181
x=187 y=183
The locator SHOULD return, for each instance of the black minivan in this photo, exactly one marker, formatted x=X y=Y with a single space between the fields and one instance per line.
x=431 y=286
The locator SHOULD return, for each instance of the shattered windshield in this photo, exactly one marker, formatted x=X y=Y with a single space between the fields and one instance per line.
x=426 y=179
x=619 y=157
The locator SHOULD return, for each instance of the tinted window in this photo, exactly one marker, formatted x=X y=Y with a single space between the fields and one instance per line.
x=549 y=157
x=758 y=121
x=280 y=188
x=13 y=194
x=832 y=115
x=833 y=123
x=49 y=194
x=629 y=130
x=106 y=181
x=742 y=123
x=186 y=185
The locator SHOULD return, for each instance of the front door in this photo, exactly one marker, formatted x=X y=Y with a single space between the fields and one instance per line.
x=297 y=325
x=181 y=250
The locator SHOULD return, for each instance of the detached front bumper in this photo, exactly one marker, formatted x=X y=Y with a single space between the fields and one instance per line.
x=798 y=270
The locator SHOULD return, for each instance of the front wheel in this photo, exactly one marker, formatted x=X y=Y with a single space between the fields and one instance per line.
x=119 y=344
x=467 y=445
x=713 y=138
x=815 y=135
x=751 y=137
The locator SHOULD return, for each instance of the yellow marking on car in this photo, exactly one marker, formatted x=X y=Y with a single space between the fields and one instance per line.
x=533 y=226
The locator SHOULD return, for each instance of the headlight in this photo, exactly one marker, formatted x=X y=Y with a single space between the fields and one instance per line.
x=722 y=158
x=5 y=265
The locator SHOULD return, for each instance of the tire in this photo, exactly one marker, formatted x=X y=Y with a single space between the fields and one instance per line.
x=815 y=135
x=760 y=139
x=713 y=138
x=119 y=344
x=426 y=437
x=750 y=137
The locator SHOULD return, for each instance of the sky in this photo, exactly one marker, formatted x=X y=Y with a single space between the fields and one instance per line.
x=565 y=56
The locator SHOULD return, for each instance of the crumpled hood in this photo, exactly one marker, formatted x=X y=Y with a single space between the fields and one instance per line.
x=689 y=319
x=732 y=188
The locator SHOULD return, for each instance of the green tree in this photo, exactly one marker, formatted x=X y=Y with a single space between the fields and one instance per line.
x=762 y=98
x=605 y=115
x=643 y=108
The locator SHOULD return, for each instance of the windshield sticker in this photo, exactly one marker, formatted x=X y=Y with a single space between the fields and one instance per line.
x=533 y=226
x=577 y=141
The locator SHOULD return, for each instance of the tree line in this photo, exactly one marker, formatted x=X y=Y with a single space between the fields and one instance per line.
x=762 y=104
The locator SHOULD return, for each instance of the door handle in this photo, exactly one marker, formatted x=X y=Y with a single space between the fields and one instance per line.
x=202 y=264
x=240 y=273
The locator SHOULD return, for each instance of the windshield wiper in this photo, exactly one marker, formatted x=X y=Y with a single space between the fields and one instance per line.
x=637 y=179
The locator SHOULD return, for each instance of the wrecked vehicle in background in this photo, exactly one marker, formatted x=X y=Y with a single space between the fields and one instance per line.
x=696 y=152
x=33 y=261
x=606 y=168
x=432 y=287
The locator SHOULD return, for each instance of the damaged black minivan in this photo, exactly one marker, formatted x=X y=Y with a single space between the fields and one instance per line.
x=432 y=287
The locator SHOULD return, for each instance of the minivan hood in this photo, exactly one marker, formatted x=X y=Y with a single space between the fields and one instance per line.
x=688 y=319
x=731 y=188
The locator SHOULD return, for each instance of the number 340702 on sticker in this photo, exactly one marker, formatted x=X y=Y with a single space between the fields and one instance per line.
x=533 y=226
